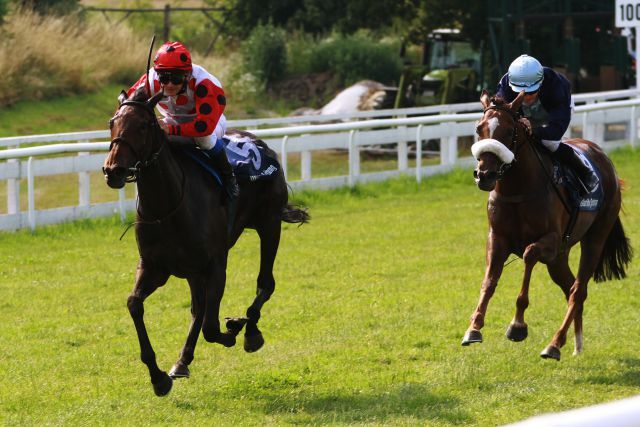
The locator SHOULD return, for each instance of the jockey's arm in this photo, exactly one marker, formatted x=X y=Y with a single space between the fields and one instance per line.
x=210 y=102
x=557 y=101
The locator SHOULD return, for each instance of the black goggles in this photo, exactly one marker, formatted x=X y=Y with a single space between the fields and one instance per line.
x=175 y=78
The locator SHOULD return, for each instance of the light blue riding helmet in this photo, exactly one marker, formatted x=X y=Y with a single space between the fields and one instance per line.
x=525 y=73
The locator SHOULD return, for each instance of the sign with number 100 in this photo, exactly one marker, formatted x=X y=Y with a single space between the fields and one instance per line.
x=627 y=13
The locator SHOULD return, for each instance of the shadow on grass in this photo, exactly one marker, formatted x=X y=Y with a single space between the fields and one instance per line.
x=627 y=375
x=413 y=401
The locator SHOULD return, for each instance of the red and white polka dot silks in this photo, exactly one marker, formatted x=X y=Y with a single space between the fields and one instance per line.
x=197 y=109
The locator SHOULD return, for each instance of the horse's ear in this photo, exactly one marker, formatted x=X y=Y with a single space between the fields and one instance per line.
x=122 y=97
x=515 y=105
x=151 y=102
x=484 y=99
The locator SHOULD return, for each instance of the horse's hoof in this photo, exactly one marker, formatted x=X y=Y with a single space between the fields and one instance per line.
x=179 y=370
x=227 y=339
x=472 y=336
x=163 y=386
x=551 y=352
x=235 y=324
x=253 y=343
x=517 y=333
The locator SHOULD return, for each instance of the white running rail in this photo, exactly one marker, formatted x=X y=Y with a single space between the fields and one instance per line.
x=446 y=123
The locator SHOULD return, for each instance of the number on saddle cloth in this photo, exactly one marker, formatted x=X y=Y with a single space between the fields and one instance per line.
x=249 y=161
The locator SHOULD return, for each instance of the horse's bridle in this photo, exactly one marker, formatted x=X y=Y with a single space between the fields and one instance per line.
x=141 y=163
x=504 y=167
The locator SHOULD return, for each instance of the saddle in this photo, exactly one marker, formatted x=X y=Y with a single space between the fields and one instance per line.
x=565 y=176
x=250 y=161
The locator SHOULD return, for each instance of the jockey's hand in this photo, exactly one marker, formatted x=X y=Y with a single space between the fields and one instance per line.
x=164 y=126
x=527 y=126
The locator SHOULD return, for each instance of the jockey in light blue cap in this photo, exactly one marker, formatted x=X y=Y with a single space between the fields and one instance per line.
x=525 y=73
x=547 y=105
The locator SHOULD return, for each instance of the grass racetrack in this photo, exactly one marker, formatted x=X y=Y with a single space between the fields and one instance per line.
x=372 y=299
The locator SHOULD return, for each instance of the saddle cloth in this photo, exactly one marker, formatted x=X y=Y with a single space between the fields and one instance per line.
x=250 y=162
x=565 y=176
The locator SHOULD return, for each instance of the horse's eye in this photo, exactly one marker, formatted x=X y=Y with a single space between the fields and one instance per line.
x=111 y=124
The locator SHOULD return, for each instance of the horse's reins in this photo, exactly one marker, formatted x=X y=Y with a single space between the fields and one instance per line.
x=134 y=171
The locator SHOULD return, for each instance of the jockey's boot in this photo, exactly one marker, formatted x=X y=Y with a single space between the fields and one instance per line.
x=221 y=164
x=589 y=180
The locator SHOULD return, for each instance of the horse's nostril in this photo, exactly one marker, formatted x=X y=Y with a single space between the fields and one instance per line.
x=475 y=173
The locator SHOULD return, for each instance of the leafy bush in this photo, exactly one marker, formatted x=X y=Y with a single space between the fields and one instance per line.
x=355 y=58
x=264 y=53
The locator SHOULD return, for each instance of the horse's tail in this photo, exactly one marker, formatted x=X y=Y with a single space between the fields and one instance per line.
x=616 y=255
x=294 y=214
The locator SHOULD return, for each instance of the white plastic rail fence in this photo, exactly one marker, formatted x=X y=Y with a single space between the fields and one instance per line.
x=304 y=135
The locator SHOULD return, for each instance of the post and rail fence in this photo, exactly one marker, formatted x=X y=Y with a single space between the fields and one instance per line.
x=609 y=118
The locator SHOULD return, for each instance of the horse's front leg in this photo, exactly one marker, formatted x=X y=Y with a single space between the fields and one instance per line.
x=545 y=249
x=148 y=279
x=181 y=367
x=214 y=284
x=497 y=253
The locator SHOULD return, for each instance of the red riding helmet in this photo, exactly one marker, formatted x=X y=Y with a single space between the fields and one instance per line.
x=172 y=56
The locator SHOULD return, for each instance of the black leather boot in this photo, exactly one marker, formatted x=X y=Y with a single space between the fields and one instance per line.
x=221 y=164
x=589 y=180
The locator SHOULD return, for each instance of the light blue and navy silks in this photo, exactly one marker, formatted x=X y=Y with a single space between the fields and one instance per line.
x=565 y=176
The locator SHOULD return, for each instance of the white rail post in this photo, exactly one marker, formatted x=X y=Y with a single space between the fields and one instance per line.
x=30 y=195
x=633 y=127
x=283 y=156
x=419 y=154
x=352 y=155
x=121 y=200
x=448 y=150
x=585 y=126
x=13 y=189
x=403 y=148
x=305 y=165
x=84 y=184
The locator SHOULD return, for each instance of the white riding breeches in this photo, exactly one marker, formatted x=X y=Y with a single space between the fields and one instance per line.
x=550 y=145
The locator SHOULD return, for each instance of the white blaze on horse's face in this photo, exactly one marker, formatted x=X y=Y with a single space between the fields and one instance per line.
x=491 y=144
x=493 y=124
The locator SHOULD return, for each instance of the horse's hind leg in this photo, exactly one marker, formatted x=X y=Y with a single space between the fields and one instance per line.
x=181 y=367
x=591 y=247
x=561 y=274
x=147 y=281
x=269 y=241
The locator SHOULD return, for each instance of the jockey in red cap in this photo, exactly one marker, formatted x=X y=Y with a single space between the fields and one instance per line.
x=193 y=105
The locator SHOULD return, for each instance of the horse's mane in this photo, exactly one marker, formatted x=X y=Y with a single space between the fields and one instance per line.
x=139 y=95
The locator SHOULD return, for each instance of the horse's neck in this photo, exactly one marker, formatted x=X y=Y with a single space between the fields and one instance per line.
x=160 y=186
x=526 y=176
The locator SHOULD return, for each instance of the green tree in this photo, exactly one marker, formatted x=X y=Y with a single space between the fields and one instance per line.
x=43 y=7
x=3 y=9
x=318 y=16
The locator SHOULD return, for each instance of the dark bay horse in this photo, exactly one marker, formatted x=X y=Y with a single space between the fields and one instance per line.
x=181 y=230
x=528 y=218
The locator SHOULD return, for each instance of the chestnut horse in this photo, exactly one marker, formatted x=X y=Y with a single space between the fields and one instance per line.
x=181 y=230
x=528 y=217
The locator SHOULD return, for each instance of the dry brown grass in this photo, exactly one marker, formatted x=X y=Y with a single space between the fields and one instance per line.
x=46 y=56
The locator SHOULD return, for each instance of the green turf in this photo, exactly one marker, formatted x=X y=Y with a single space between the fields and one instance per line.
x=364 y=328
